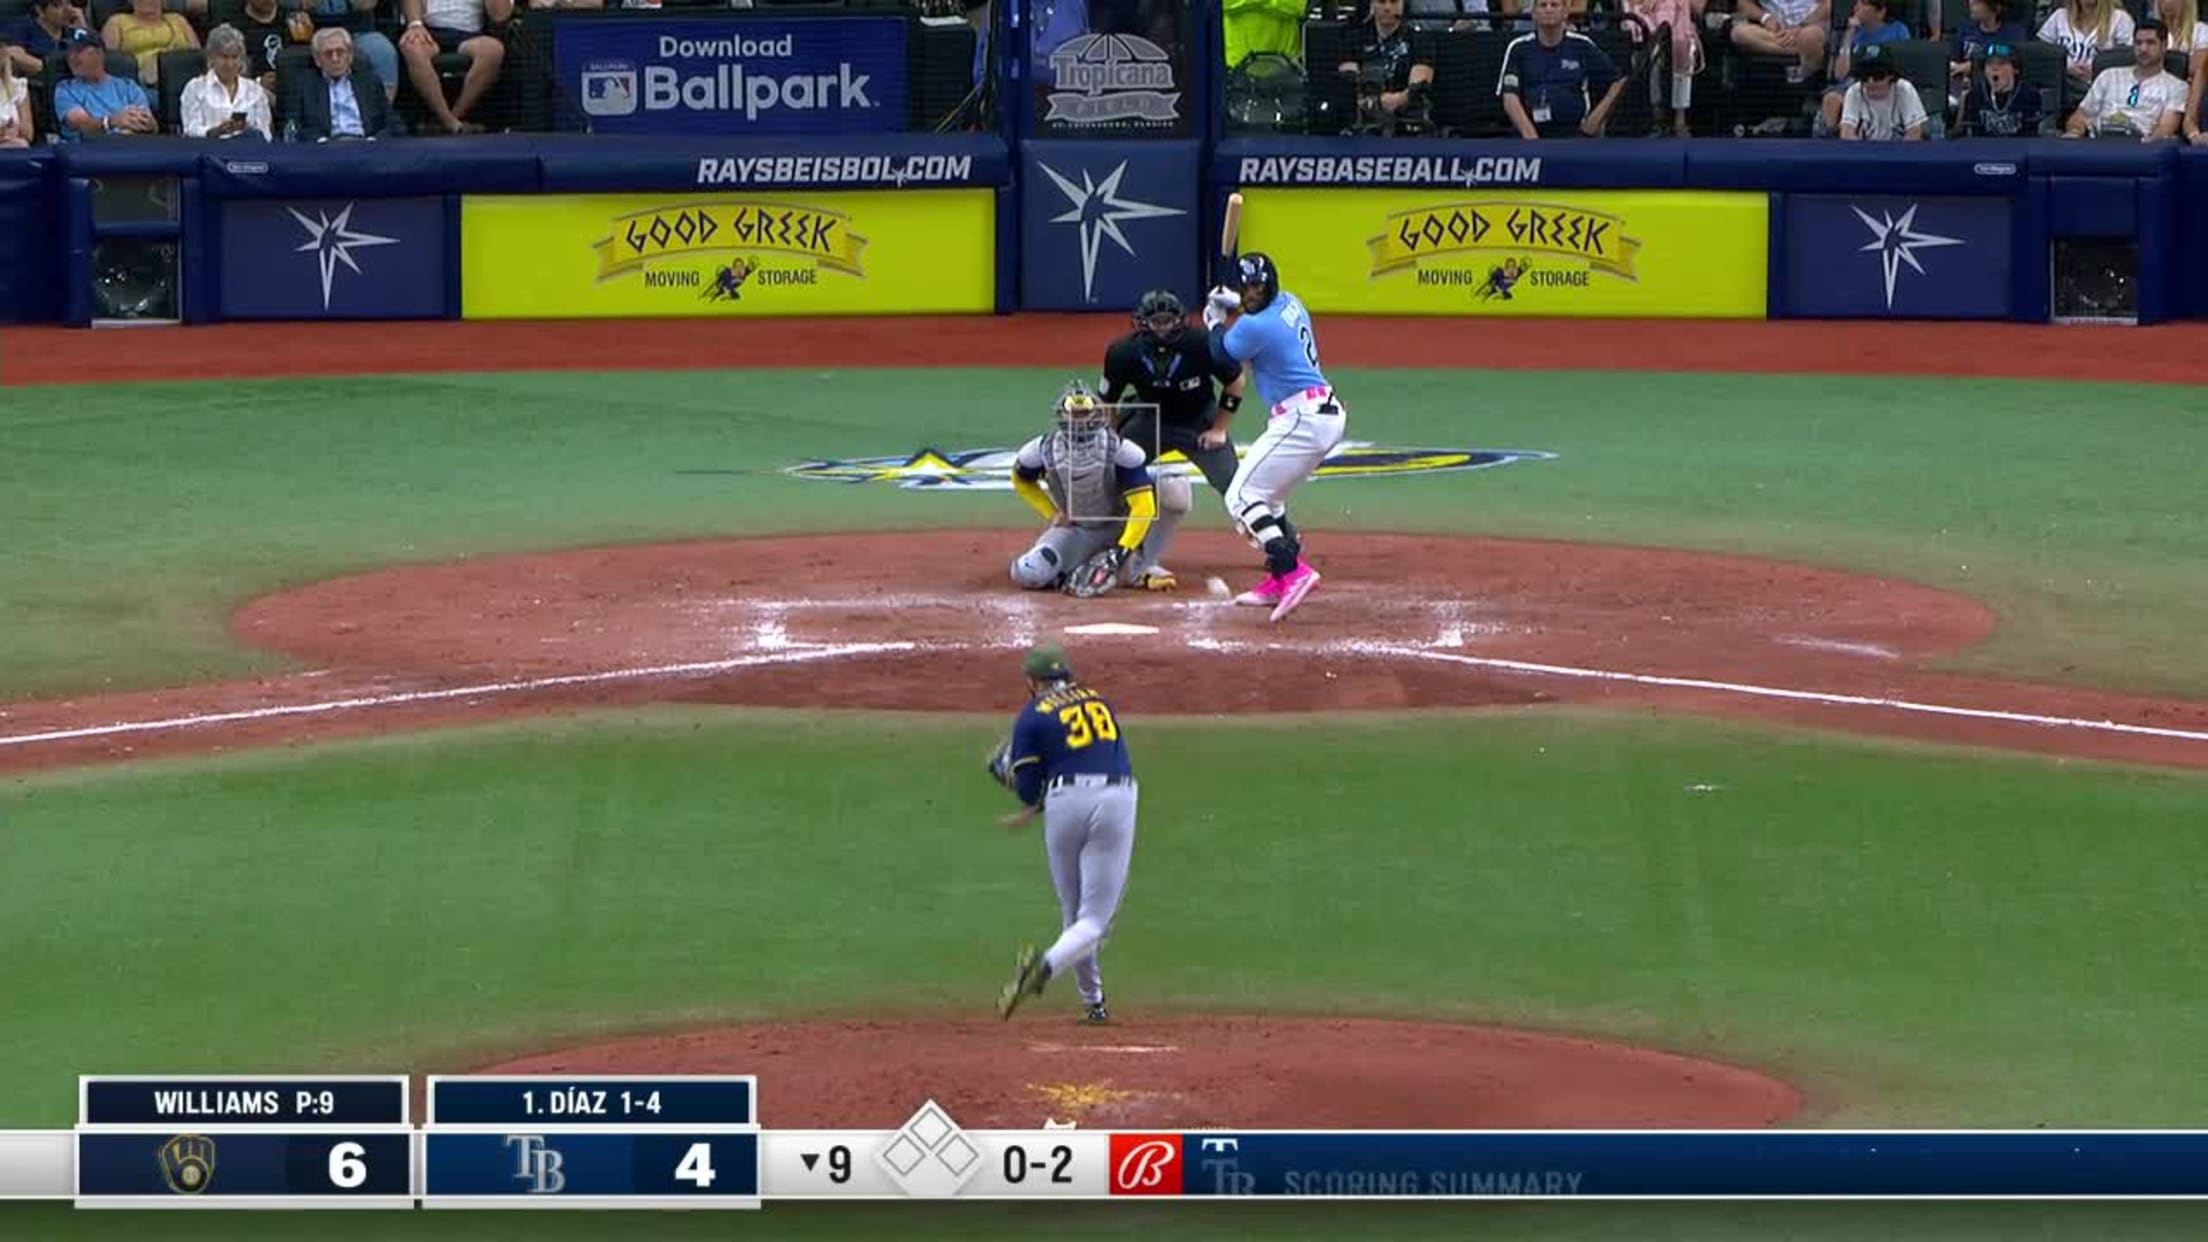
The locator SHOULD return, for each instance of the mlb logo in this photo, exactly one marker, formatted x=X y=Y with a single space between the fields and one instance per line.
x=1146 y=1164
x=609 y=90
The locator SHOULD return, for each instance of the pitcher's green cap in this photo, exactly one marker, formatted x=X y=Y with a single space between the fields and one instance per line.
x=1047 y=664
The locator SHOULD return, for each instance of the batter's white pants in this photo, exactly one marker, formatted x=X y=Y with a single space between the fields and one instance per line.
x=1302 y=430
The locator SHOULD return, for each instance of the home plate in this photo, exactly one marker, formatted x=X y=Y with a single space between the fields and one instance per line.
x=1132 y=1049
x=1111 y=627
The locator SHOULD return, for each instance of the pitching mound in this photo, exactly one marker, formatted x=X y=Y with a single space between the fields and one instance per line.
x=1195 y=1072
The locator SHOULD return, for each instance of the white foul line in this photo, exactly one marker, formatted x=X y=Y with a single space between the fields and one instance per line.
x=1799 y=696
x=398 y=698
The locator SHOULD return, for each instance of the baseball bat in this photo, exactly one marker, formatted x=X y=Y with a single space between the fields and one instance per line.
x=1230 y=237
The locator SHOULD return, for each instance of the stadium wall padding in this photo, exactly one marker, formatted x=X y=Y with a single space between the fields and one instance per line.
x=769 y=226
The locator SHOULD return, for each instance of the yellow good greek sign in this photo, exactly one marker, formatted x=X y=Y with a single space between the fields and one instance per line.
x=1653 y=253
x=630 y=256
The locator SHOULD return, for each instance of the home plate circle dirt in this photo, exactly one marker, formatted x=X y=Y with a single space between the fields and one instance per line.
x=1194 y=1073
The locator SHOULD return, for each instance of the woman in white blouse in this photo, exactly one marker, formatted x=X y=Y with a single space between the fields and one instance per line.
x=16 y=126
x=224 y=102
x=2188 y=34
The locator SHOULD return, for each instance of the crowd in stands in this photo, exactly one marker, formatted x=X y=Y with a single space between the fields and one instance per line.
x=299 y=70
x=1856 y=70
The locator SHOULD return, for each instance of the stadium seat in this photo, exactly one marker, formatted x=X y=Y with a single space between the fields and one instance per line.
x=175 y=71
x=2121 y=58
x=1924 y=63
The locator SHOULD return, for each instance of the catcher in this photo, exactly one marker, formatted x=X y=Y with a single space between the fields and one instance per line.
x=1094 y=485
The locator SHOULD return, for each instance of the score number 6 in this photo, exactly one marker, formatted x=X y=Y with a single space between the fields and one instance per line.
x=347 y=1170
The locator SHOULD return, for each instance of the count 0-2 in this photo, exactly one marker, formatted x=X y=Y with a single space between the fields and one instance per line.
x=1057 y=1166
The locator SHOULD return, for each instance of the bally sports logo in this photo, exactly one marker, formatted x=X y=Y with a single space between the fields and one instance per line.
x=617 y=88
x=1146 y=1164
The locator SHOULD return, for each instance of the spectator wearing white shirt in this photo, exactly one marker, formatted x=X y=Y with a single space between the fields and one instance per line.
x=17 y=126
x=1881 y=105
x=1797 y=28
x=2084 y=29
x=434 y=26
x=2189 y=35
x=2140 y=100
x=223 y=102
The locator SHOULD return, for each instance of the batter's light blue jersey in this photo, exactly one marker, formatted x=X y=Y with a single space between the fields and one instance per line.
x=1280 y=346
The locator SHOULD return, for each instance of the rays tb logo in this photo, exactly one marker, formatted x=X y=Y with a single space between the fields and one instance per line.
x=537 y=1164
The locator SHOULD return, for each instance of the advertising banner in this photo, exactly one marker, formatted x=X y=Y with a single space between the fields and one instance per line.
x=1104 y=222
x=1852 y=256
x=1112 y=69
x=593 y=256
x=1654 y=253
x=338 y=258
x=821 y=75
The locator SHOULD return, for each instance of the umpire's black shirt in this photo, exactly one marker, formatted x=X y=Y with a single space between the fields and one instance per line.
x=1175 y=377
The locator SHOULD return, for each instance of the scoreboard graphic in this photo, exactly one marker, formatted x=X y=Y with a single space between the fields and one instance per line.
x=692 y=1142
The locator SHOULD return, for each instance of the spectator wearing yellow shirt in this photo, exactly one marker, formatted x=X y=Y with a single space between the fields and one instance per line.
x=1255 y=26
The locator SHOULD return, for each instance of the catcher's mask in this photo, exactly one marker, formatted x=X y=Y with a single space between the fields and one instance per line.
x=1160 y=316
x=1084 y=424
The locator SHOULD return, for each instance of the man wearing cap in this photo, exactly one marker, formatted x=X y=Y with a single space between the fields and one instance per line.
x=91 y=102
x=1881 y=105
x=2141 y=100
x=1871 y=23
x=1068 y=762
x=1999 y=105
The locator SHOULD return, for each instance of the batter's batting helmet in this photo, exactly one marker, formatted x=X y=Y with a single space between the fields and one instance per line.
x=1256 y=271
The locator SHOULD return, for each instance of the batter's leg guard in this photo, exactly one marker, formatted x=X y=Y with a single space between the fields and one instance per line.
x=1282 y=549
x=1038 y=569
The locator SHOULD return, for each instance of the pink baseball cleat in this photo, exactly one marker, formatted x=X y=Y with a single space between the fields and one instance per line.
x=1264 y=595
x=1293 y=588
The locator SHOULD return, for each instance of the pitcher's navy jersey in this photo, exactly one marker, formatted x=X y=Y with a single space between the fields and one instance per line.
x=1070 y=731
x=1280 y=345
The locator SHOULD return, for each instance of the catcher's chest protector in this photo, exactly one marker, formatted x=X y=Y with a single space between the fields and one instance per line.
x=1087 y=484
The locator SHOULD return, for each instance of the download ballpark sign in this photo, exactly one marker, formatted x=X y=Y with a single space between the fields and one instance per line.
x=736 y=76
x=990 y=469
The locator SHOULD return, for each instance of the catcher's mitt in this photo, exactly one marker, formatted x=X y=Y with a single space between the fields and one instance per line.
x=1096 y=575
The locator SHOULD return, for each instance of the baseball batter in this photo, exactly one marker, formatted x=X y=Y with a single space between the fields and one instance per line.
x=1170 y=371
x=1095 y=488
x=1068 y=762
x=1268 y=330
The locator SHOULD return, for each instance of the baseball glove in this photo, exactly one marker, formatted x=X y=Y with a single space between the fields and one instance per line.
x=1000 y=763
x=1096 y=575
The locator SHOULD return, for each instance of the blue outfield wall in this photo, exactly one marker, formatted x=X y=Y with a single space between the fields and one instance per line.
x=1959 y=229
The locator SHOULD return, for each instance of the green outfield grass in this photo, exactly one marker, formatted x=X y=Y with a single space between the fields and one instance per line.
x=139 y=516
x=1916 y=938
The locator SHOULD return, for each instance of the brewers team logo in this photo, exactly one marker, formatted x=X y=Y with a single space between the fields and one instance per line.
x=187 y=1163
x=990 y=469
x=776 y=243
x=1493 y=248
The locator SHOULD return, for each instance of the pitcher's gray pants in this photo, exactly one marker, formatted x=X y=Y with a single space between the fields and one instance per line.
x=1089 y=831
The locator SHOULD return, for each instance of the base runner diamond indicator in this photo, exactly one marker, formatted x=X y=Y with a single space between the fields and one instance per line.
x=930 y=1158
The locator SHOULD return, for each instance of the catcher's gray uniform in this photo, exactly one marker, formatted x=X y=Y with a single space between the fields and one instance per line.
x=1089 y=475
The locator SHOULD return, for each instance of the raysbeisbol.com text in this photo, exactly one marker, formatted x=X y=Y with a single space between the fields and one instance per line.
x=819 y=170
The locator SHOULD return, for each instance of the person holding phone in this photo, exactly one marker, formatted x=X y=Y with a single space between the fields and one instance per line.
x=223 y=102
